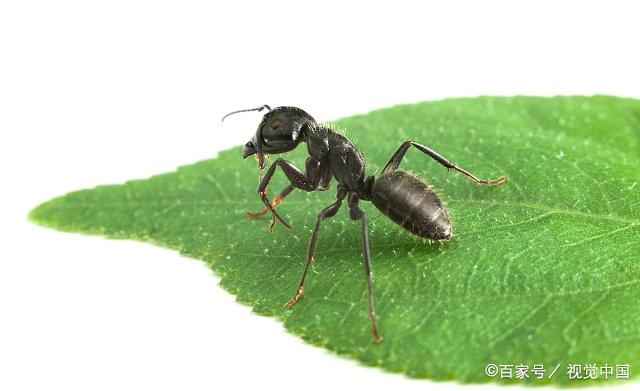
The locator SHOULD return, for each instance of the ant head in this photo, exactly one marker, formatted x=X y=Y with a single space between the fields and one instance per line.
x=278 y=132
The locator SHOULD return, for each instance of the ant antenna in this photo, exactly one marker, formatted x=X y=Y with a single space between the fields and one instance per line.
x=242 y=111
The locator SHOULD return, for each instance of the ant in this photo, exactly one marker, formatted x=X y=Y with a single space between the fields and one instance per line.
x=402 y=197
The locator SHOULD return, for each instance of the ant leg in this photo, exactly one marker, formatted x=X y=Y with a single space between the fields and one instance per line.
x=326 y=212
x=394 y=162
x=308 y=182
x=276 y=201
x=358 y=214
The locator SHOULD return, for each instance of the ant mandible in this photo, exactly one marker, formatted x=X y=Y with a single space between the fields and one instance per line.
x=402 y=197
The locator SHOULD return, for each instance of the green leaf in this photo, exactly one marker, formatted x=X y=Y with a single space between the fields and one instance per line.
x=541 y=270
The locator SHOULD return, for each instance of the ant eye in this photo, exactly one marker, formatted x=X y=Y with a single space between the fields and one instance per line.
x=275 y=124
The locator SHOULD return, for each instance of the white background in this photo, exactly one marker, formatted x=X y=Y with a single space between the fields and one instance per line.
x=102 y=92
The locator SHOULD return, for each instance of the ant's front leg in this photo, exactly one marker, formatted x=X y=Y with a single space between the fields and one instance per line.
x=276 y=201
x=313 y=171
x=304 y=181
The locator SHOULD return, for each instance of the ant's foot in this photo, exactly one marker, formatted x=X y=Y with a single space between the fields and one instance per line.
x=375 y=337
x=295 y=298
x=498 y=181
x=256 y=214
x=274 y=218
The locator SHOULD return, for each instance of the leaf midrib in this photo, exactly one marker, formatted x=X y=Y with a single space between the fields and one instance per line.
x=548 y=209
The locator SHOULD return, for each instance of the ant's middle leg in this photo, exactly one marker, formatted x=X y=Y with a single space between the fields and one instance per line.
x=307 y=181
x=326 y=212
x=395 y=160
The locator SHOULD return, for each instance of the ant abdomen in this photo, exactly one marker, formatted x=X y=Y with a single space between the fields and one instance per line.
x=412 y=204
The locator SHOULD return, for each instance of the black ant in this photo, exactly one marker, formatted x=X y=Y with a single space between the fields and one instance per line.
x=401 y=196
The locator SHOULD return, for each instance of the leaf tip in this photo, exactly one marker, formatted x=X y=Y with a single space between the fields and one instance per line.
x=37 y=214
x=44 y=214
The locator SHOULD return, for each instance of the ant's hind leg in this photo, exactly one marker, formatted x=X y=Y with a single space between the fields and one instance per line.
x=396 y=158
x=326 y=212
x=358 y=214
x=275 y=202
